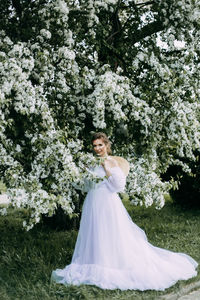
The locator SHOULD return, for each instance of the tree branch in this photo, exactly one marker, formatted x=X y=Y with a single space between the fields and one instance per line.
x=112 y=35
x=145 y=31
x=116 y=53
x=145 y=3
x=17 y=6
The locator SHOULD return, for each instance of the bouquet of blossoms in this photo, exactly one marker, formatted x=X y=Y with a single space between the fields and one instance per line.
x=87 y=177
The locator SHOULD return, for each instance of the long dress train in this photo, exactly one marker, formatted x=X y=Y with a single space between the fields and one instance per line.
x=112 y=252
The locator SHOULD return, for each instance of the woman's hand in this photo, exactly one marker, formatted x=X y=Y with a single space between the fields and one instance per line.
x=109 y=163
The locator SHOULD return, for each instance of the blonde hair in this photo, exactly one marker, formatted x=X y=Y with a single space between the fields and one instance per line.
x=103 y=136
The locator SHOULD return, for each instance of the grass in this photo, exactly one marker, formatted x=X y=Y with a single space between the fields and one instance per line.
x=28 y=258
x=2 y=187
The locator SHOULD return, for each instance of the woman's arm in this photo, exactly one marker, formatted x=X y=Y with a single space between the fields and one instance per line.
x=116 y=178
x=109 y=163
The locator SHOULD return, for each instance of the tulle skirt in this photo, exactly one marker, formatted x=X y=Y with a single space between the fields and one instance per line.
x=112 y=252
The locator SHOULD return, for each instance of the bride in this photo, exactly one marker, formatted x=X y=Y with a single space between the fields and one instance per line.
x=111 y=251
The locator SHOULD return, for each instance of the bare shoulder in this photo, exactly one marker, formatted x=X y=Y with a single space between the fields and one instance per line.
x=123 y=164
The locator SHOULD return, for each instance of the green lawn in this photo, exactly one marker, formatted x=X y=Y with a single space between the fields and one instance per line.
x=27 y=258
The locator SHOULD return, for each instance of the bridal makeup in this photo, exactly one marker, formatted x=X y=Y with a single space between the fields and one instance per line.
x=100 y=147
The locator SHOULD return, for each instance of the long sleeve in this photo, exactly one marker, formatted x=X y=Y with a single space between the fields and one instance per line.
x=117 y=181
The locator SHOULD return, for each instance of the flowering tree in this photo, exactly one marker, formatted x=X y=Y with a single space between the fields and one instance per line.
x=129 y=68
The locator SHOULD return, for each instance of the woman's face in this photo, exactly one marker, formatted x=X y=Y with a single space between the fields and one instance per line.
x=100 y=147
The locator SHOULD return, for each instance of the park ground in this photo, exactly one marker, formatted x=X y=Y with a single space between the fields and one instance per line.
x=28 y=258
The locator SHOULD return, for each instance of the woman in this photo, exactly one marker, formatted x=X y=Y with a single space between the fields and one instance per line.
x=112 y=252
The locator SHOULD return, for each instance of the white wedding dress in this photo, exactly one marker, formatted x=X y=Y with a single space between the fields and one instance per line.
x=112 y=252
